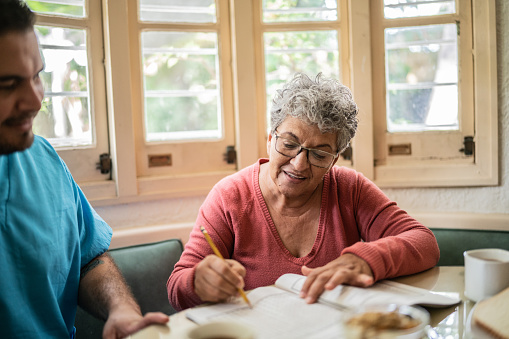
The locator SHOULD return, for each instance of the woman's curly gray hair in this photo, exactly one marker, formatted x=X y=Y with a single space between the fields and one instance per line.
x=324 y=102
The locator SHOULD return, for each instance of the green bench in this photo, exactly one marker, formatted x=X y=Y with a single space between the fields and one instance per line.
x=146 y=269
x=453 y=242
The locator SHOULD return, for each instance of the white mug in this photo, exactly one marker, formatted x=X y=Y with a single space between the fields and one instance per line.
x=223 y=329
x=486 y=272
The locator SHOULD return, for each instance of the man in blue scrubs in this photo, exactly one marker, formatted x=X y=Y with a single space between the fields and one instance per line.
x=52 y=242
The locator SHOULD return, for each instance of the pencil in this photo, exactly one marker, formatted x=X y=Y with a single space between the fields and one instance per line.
x=216 y=252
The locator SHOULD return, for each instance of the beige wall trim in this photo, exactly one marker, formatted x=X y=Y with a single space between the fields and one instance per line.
x=494 y=221
x=147 y=234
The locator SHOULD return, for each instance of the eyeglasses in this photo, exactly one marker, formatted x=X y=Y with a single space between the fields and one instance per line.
x=291 y=149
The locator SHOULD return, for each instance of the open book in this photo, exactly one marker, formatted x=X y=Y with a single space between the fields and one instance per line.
x=279 y=312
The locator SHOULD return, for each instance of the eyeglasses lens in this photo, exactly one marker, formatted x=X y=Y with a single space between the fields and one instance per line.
x=291 y=149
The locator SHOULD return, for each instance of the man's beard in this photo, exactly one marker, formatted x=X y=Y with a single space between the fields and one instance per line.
x=8 y=146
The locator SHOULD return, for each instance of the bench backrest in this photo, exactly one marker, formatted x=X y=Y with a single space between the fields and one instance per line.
x=146 y=269
x=453 y=242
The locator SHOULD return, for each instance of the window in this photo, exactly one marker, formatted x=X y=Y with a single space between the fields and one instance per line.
x=430 y=72
x=180 y=59
x=171 y=88
x=300 y=36
x=73 y=114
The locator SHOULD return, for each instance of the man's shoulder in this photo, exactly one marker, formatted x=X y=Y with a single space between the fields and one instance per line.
x=42 y=155
x=40 y=144
x=40 y=149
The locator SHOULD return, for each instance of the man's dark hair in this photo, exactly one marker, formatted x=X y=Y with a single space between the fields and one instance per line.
x=15 y=16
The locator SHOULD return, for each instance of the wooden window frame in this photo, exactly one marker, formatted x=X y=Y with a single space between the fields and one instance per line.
x=483 y=170
x=248 y=93
x=82 y=160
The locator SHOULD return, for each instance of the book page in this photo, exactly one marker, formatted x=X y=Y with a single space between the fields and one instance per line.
x=276 y=313
x=382 y=292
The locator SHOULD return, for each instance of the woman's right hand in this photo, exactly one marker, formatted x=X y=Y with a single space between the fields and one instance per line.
x=216 y=279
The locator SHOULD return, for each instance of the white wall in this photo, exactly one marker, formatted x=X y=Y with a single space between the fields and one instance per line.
x=470 y=207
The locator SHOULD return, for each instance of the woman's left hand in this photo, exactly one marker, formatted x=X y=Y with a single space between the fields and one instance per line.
x=348 y=269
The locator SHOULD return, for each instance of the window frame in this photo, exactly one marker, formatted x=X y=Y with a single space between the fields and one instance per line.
x=180 y=148
x=478 y=81
x=83 y=167
x=248 y=93
x=123 y=115
x=341 y=25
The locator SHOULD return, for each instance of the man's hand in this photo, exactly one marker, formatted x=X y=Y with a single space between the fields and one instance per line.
x=348 y=269
x=216 y=279
x=125 y=320
x=104 y=293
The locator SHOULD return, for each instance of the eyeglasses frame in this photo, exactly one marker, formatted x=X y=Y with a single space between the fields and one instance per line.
x=334 y=156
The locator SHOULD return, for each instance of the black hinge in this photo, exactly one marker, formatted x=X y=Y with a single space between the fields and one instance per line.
x=104 y=163
x=231 y=155
x=468 y=145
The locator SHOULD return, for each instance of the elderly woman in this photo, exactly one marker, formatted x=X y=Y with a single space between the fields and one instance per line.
x=298 y=213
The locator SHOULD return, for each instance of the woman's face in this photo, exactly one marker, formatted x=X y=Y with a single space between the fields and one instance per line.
x=296 y=177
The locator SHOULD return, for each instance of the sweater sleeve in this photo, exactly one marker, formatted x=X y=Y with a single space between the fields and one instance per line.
x=213 y=217
x=395 y=244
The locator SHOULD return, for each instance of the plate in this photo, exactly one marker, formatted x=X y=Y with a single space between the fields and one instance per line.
x=473 y=331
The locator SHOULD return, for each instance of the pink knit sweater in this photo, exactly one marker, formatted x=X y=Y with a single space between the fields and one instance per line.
x=355 y=217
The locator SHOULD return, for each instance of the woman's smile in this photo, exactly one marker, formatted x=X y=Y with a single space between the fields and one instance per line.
x=293 y=176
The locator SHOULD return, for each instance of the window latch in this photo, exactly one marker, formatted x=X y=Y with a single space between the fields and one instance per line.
x=231 y=155
x=104 y=163
x=468 y=145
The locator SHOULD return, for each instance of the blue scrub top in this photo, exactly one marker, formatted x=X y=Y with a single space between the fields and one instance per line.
x=49 y=232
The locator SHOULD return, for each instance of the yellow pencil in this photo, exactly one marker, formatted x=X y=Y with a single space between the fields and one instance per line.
x=216 y=252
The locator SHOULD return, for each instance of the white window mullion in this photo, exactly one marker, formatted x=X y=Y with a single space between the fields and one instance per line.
x=360 y=61
x=120 y=107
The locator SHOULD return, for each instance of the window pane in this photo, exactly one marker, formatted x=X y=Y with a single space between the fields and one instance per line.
x=293 y=10
x=195 y=11
x=413 y=8
x=181 y=82
x=422 y=78
x=309 y=52
x=73 y=8
x=65 y=116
